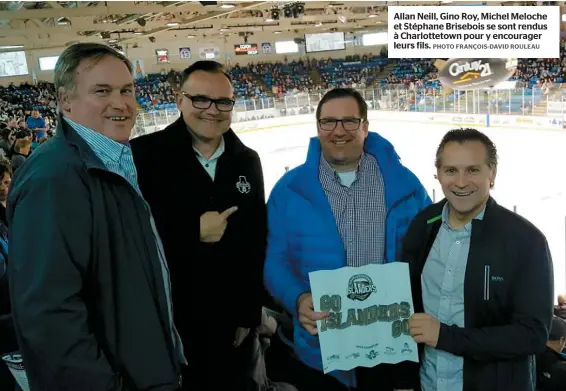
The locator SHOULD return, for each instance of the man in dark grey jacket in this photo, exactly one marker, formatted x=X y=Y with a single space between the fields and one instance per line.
x=88 y=282
x=481 y=276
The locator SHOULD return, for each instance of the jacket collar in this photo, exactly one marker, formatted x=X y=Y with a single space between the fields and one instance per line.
x=434 y=212
x=70 y=136
x=180 y=131
x=433 y=217
x=396 y=177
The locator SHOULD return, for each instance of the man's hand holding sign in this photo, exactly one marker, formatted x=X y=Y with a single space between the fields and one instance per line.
x=307 y=316
x=424 y=328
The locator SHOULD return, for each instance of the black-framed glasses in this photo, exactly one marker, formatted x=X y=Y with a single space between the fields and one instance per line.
x=349 y=124
x=202 y=102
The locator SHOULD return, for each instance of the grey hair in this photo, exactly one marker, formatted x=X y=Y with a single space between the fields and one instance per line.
x=70 y=59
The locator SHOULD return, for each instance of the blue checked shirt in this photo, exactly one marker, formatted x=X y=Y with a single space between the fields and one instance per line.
x=359 y=209
x=443 y=297
x=118 y=158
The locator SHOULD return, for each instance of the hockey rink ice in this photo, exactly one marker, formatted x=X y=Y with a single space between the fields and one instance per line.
x=531 y=174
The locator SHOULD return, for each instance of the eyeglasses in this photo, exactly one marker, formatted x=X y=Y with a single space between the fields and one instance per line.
x=204 y=102
x=349 y=124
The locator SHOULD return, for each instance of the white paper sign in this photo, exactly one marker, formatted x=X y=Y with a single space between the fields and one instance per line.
x=369 y=309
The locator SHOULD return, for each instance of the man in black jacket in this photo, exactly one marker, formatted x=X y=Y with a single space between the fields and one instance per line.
x=482 y=279
x=208 y=200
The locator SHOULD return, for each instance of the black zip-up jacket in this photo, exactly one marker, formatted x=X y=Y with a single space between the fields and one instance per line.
x=508 y=293
x=88 y=298
x=217 y=287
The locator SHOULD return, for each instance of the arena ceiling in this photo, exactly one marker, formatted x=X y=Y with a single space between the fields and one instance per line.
x=56 y=24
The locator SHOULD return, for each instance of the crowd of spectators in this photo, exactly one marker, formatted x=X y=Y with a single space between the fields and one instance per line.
x=278 y=79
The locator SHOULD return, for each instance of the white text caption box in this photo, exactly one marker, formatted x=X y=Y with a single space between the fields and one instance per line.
x=473 y=31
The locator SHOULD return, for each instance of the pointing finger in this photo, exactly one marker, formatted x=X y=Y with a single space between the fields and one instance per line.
x=228 y=212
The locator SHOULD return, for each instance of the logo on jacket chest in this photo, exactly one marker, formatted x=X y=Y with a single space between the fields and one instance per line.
x=243 y=185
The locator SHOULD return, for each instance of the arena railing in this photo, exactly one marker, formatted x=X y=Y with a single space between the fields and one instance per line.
x=520 y=101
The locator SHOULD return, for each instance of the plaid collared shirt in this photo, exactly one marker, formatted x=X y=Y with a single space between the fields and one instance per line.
x=359 y=210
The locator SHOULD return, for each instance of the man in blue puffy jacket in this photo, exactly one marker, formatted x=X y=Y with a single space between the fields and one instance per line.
x=349 y=204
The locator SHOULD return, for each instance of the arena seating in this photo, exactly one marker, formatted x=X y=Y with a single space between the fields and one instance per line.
x=263 y=80
x=345 y=72
x=15 y=101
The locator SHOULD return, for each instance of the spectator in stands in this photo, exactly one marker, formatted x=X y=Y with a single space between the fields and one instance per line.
x=8 y=342
x=481 y=279
x=551 y=365
x=22 y=134
x=351 y=181
x=22 y=148
x=5 y=143
x=5 y=181
x=560 y=309
x=36 y=124
x=89 y=287
x=209 y=201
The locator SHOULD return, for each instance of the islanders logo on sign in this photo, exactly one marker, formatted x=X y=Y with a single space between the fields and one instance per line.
x=360 y=287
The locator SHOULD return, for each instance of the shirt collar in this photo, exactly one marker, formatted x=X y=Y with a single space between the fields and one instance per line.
x=100 y=144
x=326 y=167
x=446 y=217
x=219 y=151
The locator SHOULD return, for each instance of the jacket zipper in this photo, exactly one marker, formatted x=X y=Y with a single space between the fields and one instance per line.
x=486 y=277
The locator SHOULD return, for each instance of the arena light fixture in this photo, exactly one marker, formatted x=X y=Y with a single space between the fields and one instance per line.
x=275 y=14
x=299 y=10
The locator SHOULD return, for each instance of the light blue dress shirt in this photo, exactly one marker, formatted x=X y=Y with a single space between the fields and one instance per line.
x=210 y=164
x=443 y=297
